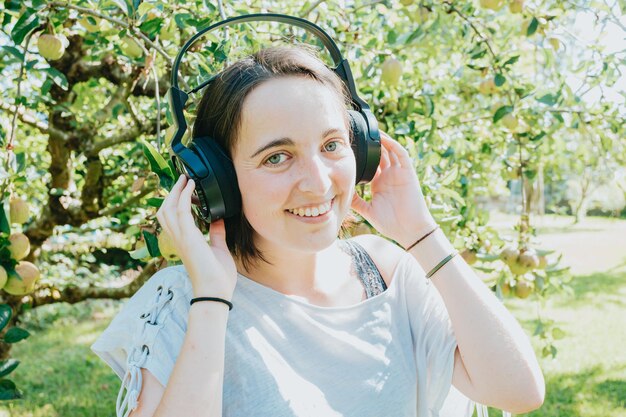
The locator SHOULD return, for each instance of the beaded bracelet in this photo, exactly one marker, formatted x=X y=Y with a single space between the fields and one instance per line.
x=422 y=238
x=221 y=300
x=441 y=264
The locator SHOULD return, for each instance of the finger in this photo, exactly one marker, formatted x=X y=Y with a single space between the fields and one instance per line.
x=183 y=211
x=397 y=151
x=384 y=158
x=171 y=200
x=393 y=157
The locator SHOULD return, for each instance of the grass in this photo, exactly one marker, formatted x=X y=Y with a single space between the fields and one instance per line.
x=60 y=376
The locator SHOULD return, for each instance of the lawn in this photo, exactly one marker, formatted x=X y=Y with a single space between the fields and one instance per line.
x=61 y=377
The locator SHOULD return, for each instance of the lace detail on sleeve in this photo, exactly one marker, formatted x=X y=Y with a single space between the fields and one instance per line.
x=140 y=351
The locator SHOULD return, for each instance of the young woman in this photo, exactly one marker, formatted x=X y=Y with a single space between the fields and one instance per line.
x=321 y=326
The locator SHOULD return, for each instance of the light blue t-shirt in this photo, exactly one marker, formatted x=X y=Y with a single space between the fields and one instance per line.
x=389 y=355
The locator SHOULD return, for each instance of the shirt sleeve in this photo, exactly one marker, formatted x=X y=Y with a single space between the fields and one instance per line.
x=434 y=342
x=147 y=333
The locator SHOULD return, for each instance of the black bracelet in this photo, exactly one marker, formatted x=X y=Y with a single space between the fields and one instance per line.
x=221 y=300
x=422 y=238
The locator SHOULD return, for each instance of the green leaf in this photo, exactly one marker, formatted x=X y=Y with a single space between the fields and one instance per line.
x=8 y=366
x=501 y=112
x=20 y=159
x=8 y=390
x=155 y=201
x=538 y=137
x=27 y=22
x=510 y=61
x=452 y=194
x=152 y=243
x=140 y=253
x=548 y=99
x=57 y=77
x=450 y=176
x=15 y=334
x=402 y=129
x=558 y=333
x=429 y=106
x=532 y=27
x=5 y=315
x=499 y=80
x=151 y=27
x=159 y=165
x=5 y=225
x=13 y=51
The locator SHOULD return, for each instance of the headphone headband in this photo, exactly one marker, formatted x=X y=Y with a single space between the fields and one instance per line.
x=213 y=170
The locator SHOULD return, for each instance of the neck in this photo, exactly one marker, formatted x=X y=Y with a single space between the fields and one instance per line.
x=294 y=272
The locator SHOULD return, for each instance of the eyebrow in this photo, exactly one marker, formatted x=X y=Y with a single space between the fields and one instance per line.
x=288 y=141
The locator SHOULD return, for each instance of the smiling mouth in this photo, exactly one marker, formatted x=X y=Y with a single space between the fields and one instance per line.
x=315 y=211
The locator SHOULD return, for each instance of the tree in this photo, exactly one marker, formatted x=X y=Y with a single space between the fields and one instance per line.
x=478 y=96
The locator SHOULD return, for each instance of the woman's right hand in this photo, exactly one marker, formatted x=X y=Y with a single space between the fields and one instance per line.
x=210 y=265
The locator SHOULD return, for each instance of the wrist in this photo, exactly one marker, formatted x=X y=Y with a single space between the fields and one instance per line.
x=432 y=250
x=417 y=233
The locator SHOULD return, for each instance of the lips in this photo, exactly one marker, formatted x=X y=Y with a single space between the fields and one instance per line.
x=312 y=210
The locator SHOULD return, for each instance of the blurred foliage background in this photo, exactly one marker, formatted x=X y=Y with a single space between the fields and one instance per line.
x=510 y=106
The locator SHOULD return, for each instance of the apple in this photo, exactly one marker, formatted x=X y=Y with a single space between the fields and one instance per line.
x=131 y=48
x=543 y=262
x=509 y=255
x=516 y=6
x=22 y=281
x=420 y=15
x=523 y=288
x=529 y=259
x=487 y=87
x=391 y=72
x=167 y=247
x=19 y=211
x=505 y=289
x=517 y=268
x=469 y=256
x=90 y=27
x=169 y=31
x=510 y=121
x=51 y=47
x=3 y=276
x=19 y=246
x=555 y=43
x=492 y=4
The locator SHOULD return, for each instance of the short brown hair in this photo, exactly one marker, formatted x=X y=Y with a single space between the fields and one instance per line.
x=219 y=114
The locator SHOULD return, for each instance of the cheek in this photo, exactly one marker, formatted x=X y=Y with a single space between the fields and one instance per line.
x=262 y=196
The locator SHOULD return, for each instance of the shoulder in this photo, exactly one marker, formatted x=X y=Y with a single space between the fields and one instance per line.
x=384 y=253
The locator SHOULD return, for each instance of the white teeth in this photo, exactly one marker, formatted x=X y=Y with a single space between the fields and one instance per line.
x=312 y=211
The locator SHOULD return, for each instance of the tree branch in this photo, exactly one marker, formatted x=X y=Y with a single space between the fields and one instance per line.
x=132 y=30
x=135 y=199
x=28 y=119
x=49 y=294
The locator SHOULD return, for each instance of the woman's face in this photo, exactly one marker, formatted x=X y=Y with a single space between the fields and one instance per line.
x=294 y=164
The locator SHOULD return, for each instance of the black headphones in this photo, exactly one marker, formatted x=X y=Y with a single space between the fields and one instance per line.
x=207 y=163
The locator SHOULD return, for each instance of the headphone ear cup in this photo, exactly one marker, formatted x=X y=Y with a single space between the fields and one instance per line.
x=366 y=151
x=218 y=191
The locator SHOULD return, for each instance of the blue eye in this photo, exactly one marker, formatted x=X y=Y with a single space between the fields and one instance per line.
x=333 y=145
x=274 y=160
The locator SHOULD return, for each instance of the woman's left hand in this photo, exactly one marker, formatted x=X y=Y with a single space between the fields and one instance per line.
x=397 y=208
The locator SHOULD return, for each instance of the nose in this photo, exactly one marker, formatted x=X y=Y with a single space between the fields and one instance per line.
x=315 y=176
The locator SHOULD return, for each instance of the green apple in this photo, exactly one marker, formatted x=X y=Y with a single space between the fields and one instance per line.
x=391 y=72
